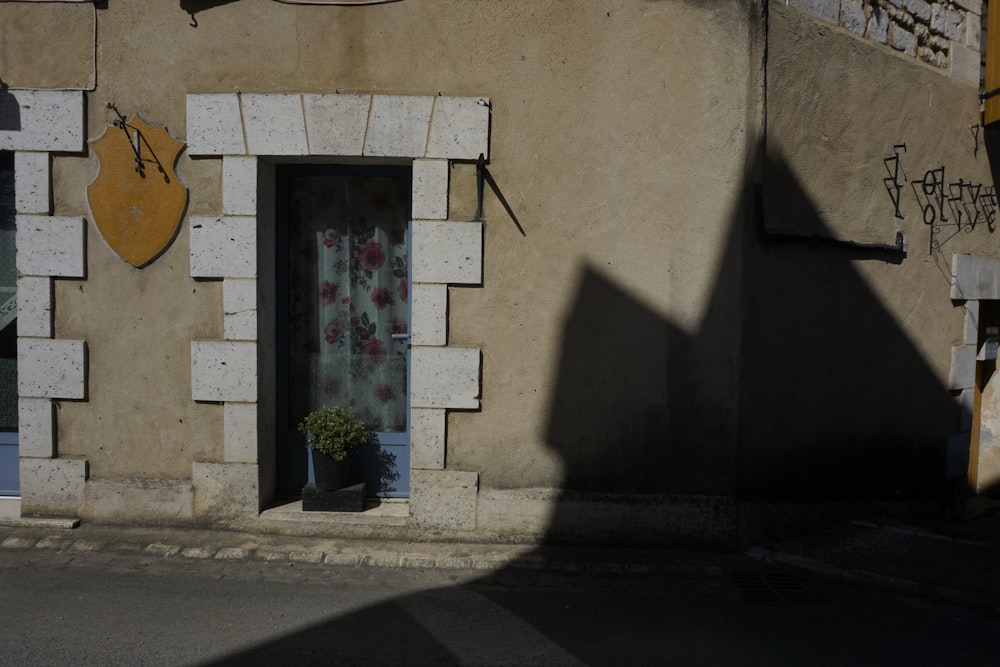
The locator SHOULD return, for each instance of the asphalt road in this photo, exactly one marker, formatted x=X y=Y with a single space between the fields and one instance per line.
x=104 y=609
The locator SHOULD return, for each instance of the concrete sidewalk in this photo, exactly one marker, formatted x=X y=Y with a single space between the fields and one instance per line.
x=956 y=562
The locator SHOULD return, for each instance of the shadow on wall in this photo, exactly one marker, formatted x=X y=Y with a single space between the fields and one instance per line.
x=797 y=386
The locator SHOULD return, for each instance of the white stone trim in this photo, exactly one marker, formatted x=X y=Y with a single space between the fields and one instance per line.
x=239 y=301
x=42 y=121
x=447 y=252
x=427 y=438
x=51 y=246
x=274 y=124
x=36 y=427
x=239 y=186
x=32 y=189
x=336 y=124
x=223 y=247
x=240 y=443
x=431 y=130
x=975 y=278
x=429 y=200
x=223 y=371
x=51 y=368
x=429 y=314
x=963 y=367
x=34 y=307
x=444 y=377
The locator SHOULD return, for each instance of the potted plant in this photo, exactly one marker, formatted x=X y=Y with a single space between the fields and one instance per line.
x=332 y=433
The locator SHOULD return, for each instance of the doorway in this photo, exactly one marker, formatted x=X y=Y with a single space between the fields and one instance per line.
x=9 y=461
x=342 y=280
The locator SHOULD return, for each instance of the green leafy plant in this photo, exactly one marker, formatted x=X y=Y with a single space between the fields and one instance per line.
x=334 y=431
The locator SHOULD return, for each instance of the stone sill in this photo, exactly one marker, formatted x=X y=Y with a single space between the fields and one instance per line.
x=378 y=513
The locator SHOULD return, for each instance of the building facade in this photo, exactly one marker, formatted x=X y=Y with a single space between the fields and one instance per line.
x=612 y=270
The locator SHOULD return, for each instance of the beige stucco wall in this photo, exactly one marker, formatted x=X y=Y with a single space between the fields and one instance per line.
x=622 y=165
x=625 y=137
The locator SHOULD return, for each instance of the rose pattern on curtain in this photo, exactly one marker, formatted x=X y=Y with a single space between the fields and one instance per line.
x=349 y=293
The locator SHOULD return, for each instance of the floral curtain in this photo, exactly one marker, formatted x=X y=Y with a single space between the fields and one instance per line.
x=349 y=295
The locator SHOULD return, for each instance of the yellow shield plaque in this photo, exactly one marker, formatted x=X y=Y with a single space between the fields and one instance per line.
x=136 y=199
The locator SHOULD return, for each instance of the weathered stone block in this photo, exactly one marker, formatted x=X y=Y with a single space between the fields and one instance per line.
x=32 y=179
x=225 y=491
x=51 y=246
x=223 y=371
x=275 y=125
x=444 y=377
x=214 y=125
x=963 y=367
x=853 y=16
x=921 y=9
x=963 y=277
x=36 y=428
x=42 y=120
x=460 y=128
x=427 y=439
x=223 y=247
x=336 y=124
x=239 y=301
x=824 y=9
x=444 y=498
x=52 y=487
x=398 y=126
x=970 y=332
x=34 y=307
x=903 y=40
x=965 y=63
x=429 y=314
x=51 y=368
x=240 y=439
x=447 y=252
x=429 y=200
x=239 y=185
x=878 y=27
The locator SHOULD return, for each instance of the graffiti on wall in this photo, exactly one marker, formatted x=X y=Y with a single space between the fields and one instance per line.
x=948 y=208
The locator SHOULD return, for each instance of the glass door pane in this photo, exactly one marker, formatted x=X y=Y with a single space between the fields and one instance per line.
x=348 y=307
x=8 y=332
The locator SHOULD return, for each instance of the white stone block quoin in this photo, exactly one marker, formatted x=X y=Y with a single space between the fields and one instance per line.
x=51 y=246
x=239 y=301
x=36 y=427
x=429 y=314
x=447 y=252
x=239 y=185
x=32 y=179
x=964 y=63
x=52 y=487
x=975 y=277
x=275 y=124
x=963 y=367
x=225 y=490
x=223 y=247
x=828 y=10
x=336 y=124
x=430 y=190
x=51 y=368
x=42 y=120
x=240 y=440
x=398 y=125
x=214 y=125
x=427 y=439
x=970 y=330
x=460 y=128
x=444 y=377
x=34 y=307
x=223 y=371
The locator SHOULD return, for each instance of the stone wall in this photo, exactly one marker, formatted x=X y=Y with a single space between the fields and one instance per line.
x=942 y=33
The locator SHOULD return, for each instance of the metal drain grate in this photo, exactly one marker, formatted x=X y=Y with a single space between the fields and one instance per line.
x=770 y=587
